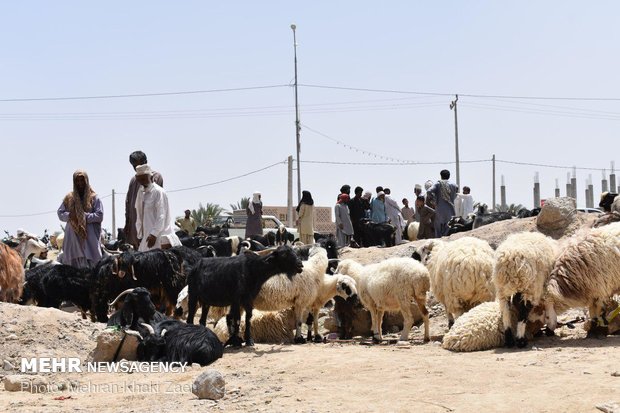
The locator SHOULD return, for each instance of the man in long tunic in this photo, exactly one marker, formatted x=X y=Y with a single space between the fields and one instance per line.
x=254 y=211
x=444 y=193
x=83 y=211
x=392 y=211
x=154 y=224
x=377 y=209
x=136 y=159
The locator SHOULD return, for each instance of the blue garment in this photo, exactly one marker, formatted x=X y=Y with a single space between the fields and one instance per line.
x=377 y=211
x=444 y=209
x=77 y=252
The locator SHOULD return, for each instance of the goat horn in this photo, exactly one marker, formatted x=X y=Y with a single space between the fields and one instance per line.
x=264 y=253
x=127 y=291
x=163 y=332
x=149 y=327
x=133 y=273
x=133 y=333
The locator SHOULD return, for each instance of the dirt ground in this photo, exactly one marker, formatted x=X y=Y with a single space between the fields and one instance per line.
x=566 y=373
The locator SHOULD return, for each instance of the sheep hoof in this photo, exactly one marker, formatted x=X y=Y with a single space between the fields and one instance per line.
x=318 y=338
x=549 y=332
x=521 y=342
x=249 y=343
x=509 y=340
x=300 y=340
x=376 y=340
x=427 y=339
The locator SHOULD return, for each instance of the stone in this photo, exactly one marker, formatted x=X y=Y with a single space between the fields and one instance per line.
x=16 y=382
x=7 y=366
x=609 y=407
x=557 y=214
x=19 y=382
x=615 y=374
x=108 y=342
x=11 y=337
x=210 y=384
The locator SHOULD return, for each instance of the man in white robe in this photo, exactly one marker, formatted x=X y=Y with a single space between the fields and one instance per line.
x=154 y=223
x=392 y=210
x=464 y=203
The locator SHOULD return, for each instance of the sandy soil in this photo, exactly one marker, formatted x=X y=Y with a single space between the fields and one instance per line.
x=566 y=373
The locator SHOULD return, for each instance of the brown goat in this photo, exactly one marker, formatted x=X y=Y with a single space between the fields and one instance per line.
x=11 y=274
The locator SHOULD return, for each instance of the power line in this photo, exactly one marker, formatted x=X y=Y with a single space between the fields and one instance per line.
x=168 y=191
x=542 y=165
x=139 y=95
x=394 y=163
x=471 y=95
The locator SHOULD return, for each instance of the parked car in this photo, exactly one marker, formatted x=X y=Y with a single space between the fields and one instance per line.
x=590 y=210
x=236 y=224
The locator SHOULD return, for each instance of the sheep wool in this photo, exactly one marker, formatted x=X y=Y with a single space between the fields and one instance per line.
x=391 y=285
x=11 y=274
x=270 y=327
x=478 y=329
x=280 y=292
x=461 y=274
x=587 y=273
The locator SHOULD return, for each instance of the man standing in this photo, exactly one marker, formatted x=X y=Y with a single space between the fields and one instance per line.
x=417 y=190
x=136 y=159
x=357 y=211
x=83 y=211
x=187 y=224
x=377 y=209
x=407 y=212
x=153 y=223
x=444 y=194
x=464 y=204
x=392 y=211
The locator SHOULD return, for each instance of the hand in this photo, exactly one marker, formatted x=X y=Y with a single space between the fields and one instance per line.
x=150 y=240
x=341 y=226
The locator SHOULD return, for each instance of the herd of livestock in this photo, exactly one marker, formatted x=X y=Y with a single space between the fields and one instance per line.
x=147 y=294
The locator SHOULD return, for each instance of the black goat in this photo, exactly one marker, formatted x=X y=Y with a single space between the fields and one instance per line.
x=526 y=213
x=268 y=240
x=137 y=308
x=483 y=217
x=283 y=237
x=49 y=285
x=329 y=244
x=459 y=224
x=374 y=234
x=217 y=230
x=159 y=271
x=235 y=282
x=607 y=199
x=174 y=341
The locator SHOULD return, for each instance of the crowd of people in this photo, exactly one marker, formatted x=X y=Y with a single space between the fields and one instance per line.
x=149 y=223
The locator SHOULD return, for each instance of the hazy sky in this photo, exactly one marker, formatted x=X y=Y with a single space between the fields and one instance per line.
x=77 y=48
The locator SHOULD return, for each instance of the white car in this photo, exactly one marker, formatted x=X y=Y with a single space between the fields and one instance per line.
x=236 y=225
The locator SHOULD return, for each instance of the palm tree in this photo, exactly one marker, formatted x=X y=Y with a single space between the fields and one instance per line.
x=513 y=209
x=206 y=213
x=241 y=204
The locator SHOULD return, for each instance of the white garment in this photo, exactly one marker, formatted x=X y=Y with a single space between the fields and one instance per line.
x=392 y=210
x=154 y=217
x=463 y=205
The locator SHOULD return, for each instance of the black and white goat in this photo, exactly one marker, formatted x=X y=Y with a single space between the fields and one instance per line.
x=137 y=308
x=283 y=237
x=235 y=282
x=174 y=341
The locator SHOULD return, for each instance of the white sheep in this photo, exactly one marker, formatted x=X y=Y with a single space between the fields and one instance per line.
x=340 y=285
x=300 y=292
x=391 y=285
x=586 y=274
x=412 y=231
x=523 y=264
x=273 y=327
x=481 y=328
x=461 y=273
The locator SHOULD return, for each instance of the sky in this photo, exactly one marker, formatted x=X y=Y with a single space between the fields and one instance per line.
x=495 y=55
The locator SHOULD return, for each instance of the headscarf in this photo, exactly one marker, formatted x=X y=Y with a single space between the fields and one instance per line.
x=306 y=198
x=78 y=205
x=367 y=195
x=444 y=187
x=255 y=200
x=343 y=198
x=428 y=184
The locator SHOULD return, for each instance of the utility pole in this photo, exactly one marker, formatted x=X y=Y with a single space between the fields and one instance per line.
x=113 y=216
x=289 y=194
x=493 y=209
x=297 y=126
x=456 y=141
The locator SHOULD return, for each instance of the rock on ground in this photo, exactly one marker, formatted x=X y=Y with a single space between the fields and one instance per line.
x=209 y=385
x=108 y=342
x=19 y=382
x=557 y=214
